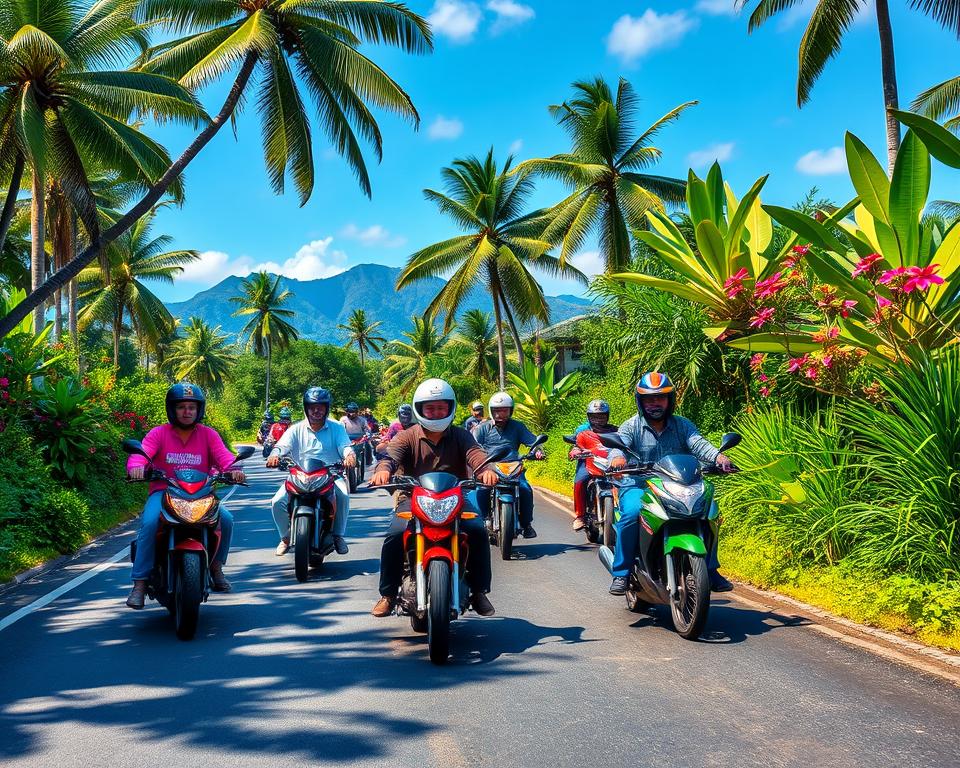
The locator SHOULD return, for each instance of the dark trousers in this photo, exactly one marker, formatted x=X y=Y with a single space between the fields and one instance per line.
x=391 y=554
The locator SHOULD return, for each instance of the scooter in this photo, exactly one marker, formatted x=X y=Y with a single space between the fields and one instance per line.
x=601 y=493
x=187 y=539
x=502 y=517
x=678 y=528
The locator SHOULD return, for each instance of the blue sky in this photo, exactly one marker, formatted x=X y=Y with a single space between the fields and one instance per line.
x=496 y=67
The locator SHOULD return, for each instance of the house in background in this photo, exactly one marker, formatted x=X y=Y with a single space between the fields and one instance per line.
x=565 y=338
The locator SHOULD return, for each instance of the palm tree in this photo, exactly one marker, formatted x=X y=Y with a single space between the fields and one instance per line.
x=476 y=336
x=203 y=355
x=120 y=292
x=362 y=333
x=409 y=362
x=941 y=101
x=263 y=301
x=824 y=34
x=59 y=108
x=496 y=254
x=291 y=45
x=604 y=168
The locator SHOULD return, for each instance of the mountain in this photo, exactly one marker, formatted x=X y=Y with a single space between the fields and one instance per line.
x=323 y=304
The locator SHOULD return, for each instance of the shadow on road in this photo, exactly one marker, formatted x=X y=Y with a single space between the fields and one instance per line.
x=523 y=551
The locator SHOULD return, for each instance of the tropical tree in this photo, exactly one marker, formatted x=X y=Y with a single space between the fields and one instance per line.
x=496 y=254
x=410 y=361
x=290 y=46
x=120 y=291
x=941 y=102
x=268 y=327
x=203 y=355
x=362 y=333
x=605 y=167
x=477 y=337
x=60 y=108
x=821 y=41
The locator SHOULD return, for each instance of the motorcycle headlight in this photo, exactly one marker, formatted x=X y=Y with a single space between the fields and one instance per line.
x=687 y=495
x=191 y=510
x=437 y=510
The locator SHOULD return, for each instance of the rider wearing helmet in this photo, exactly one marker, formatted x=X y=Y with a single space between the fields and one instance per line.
x=404 y=421
x=316 y=437
x=475 y=418
x=434 y=445
x=265 y=426
x=182 y=443
x=653 y=433
x=277 y=431
x=355 y=424
x=503 y=432
x=598 y=421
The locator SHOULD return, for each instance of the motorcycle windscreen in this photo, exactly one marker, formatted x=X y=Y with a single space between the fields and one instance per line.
x=680 y=468
x=313 y=464
x=438 y=482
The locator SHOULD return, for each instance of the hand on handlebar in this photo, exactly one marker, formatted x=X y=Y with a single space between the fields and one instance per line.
x=350 y=460
x=618 y=463
x=724 y=463
x=273 y=462
x=136 y=473
x=380 y=478
x=488 y=477
x=237 y=475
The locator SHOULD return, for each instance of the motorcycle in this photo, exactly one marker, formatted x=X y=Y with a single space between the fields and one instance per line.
x=502 y=517
x=312 y=510
x=678 y=528
x=434 y=589
x=601 y=495
x=187 y=538
x=360 y=448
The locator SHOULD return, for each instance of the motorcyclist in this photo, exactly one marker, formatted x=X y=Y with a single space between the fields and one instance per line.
x=598 y=421
x=653 y=433
x=354 y=423
x=404 y=421
x=373 y=426
x=277 y=430
x=434 y=445
x=475 y=417
x=500 y=431
x=315 y=437
x=182 y=443
x=265 y=427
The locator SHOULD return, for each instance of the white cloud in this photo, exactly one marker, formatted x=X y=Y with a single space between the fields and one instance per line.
x=792 y=16
x=455 y=19
x=374 y=235
x=823 y=162
x=210 y=265
x=717 y=7
x=445 y=128
x=516 y=146
x=312 y=261
x=633 y=37
x=509 y=14
x=720 y=152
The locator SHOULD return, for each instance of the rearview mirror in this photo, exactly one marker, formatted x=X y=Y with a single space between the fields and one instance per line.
x=244 y=452
x=570 y=439
x=133 y=446
x=499 y=454
x=541 y=439
x=612 y=440
x=730 y=440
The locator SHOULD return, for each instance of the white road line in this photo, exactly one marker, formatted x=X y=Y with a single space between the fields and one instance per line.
x=44 y=601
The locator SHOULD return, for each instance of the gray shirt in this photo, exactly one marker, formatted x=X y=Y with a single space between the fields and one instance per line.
x=513 y=435
x=680 y=435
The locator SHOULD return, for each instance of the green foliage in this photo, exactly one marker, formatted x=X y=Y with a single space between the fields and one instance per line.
x=60 y=519
x=67 y=427
x=204 y=356
x=537 y=392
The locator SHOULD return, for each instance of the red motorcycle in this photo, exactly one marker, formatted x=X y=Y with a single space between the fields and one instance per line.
x=434 y=589
x=187 y=538
x=313 y=507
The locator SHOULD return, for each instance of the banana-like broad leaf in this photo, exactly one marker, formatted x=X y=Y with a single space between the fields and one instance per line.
x=790 y=343
x=940 y=142
x=908 y=195
x=869 y=178
x=683 y=290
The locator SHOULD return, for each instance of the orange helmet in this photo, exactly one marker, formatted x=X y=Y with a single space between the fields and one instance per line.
x=655 y=383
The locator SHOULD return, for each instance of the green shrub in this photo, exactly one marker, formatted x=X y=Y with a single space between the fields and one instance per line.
x=60 y=519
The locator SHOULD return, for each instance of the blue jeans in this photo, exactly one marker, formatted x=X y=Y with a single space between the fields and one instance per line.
x=147 y=536
x=628 y=537
x=524 y=491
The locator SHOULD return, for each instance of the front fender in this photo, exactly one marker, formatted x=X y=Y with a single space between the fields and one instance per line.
x=688 y=542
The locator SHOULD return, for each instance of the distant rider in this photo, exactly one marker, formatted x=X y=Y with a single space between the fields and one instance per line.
x=598 y=421
x=653 y=433
x=182 y=443
x=265 y=427
x=355 y=424
x=277 y=430
x=475 y=418
x=315 y=437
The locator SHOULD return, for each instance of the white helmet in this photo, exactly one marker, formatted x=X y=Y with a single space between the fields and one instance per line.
x=501 y=400
x=433 y=390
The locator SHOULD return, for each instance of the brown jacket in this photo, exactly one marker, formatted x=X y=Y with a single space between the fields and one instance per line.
x=411 y=453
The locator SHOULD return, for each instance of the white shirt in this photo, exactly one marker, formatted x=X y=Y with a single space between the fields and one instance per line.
x=329 y=444
x=355 y=426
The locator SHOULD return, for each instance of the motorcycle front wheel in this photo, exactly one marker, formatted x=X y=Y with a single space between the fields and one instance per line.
x=689 y=610
x=187 y=595
x=438 y=611
x=301 y=548
x=507 y=532
x=609 y=533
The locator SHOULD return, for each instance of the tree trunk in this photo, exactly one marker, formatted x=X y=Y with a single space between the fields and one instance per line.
x=501 y=353
x=72 y=288
x=266 y=395
x=517 y=341
x=10 y=204
x=117 y=330
x=40 y=293
x=889 y=72
x=38 y=257
x=58 y=314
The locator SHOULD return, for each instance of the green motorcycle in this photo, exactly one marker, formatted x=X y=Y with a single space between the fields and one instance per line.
x=678 y=527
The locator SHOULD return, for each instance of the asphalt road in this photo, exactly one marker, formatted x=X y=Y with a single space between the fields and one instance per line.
x=563 y=675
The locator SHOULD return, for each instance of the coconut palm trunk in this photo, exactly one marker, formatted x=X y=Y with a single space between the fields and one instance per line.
x=38 y=257
x=266 y=393
x=501 y=353
x=889 y=75
x=517 y=341
x=10 y=204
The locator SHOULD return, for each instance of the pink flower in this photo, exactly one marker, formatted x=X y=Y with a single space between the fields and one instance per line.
x=866 y=264
x=5 y=395
x=882 y=302
x=803 y=250
x=4 y=382
x=796 y=363
x=763 y=316
x=769 y=287
x=765 y=391
x=922 y=278
x=734 y=284
x=92 y=449
x=756 y=361
x=828 y=361
x=763 y=377
x=847 y=306
x=811 y=373
x=734 y=291
x=892 y=274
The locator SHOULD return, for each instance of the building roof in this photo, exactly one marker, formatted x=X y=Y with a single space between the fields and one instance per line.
x=566 y=329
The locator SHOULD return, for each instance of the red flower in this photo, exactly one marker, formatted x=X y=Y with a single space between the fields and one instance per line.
x=734 y=284
x=891 y=275
x=796 y=363
x=847 y=306
x=92 y=449
x=802 y=250
x=763 y=377
x=765 y=391
x=922 y=278
x=811 y=373
x=769 y=287
x=4 y=382
x=5 y=395
x=828 y=361
x=763 y=316
x=866 y=264
x=756 y=361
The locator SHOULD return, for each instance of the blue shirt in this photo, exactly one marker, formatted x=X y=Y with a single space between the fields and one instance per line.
x=680 y=435
x=513 y=435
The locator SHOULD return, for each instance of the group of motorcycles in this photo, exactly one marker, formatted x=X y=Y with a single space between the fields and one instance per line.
x=678 y=528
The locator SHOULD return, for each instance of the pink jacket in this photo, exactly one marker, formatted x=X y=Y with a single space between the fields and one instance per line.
x=204 y=450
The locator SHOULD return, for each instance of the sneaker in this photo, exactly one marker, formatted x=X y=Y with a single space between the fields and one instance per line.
x=220 y=583
x=527 y=532
x=482 y=605
x=619 y=585
x=578 y=524
x=719 y=584
x=282 y=548
x=340 y=544
x=384 y=607
x=137 y=595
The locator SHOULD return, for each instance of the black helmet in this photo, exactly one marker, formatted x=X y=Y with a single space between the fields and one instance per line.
x=316 y=396
x=405 y=415
x=185 y=392
x=353 y=408
x=267 y=416
x=598 y=412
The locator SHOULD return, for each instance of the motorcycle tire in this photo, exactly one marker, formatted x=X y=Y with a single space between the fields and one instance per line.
x=507 y=531
x=609 y=532
x=591 y=529
x=352 y=479
x=418 y=624
x=438 y=611
x=301 y=548
x=187 y=595
x=689 y=610
x=635 y=604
